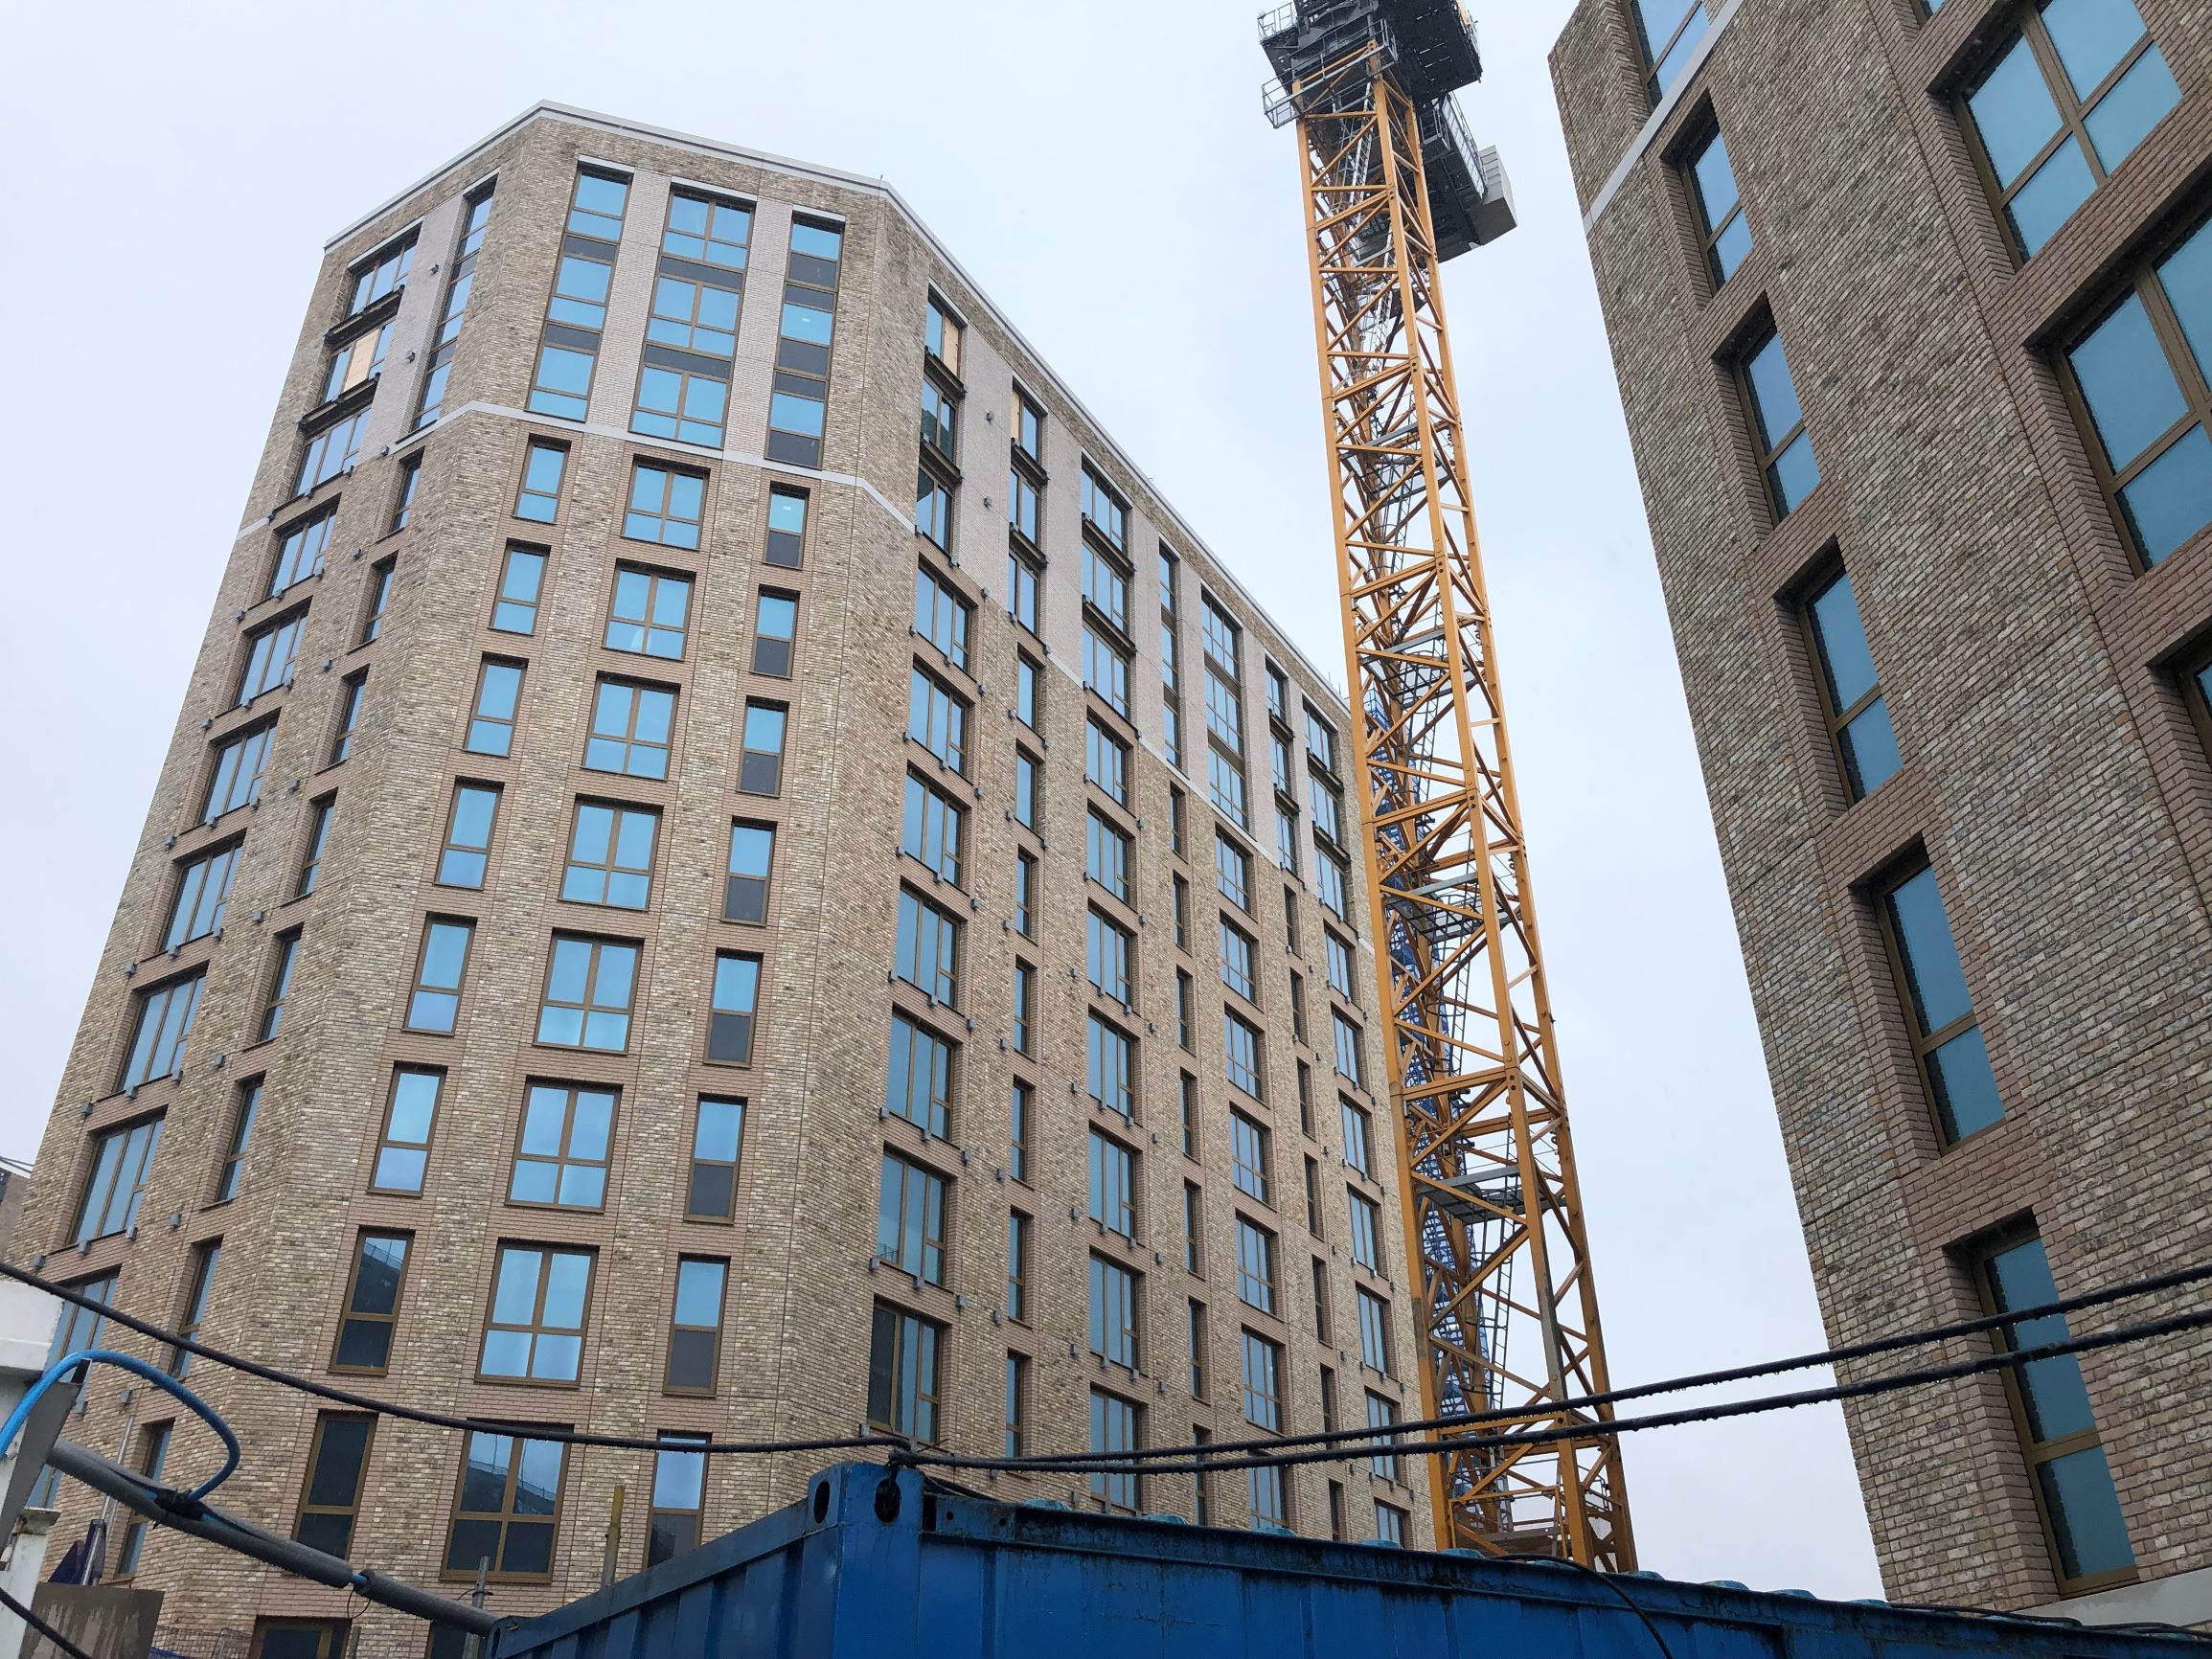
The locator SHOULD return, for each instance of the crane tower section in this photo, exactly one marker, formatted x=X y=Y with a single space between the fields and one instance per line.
x=1509 y=1313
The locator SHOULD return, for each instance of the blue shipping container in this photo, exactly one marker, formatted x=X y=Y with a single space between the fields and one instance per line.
x=873 y=1566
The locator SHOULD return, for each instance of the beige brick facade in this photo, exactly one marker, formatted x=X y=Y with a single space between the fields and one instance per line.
x=794 y=1344
x=2036 y=672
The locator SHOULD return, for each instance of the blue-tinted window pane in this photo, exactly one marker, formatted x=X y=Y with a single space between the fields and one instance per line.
x=2058 y=1403
x=2125 y=115
x=1966 y=1093
x=2085 y=1514
x=2013 y=112
x=2048 y=200
x=2171 y=499
x=1774 y=395
x=2127 y=383
x=1731 y=245
x=1931 y=964
x=1671 y=66
x=1870 y=749
x=2186 y=275
x=1794 y=473
x=1843 y=652
x=2092 y=36
x=1715 y=179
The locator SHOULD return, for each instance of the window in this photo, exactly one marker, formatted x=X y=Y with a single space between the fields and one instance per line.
x=284 y=959
x=300 y=549
x=1237 y=961
x=1017 y=1266
x=1348 y=1061
x=760 y=750
x=1778 y=423
x=665 y=506
x=561 y=1158
x=403 y=1148
x=910 y=1220
x=1336 y=959
x=730 y=1021
x=353 y=693
x=710 y=1187
x=1106 y=761
x=631 y=726
x=1851 y=692
x=1017 y=1404
x=1947 y=1038
x=152 y=1453
x=1106 y=857
x=508 y=1509
x=931 y=830
x=1248 y=1156
x=338 y=1466
x=1028 y=692
x=299 y=1639
x=1028 y=428
x=1241 y=1039
x=575 y=313
x=271 y=650
x=1108 y=946
x=434 y=1003
x=403 y=506
x=1113 y=1312
x=1373 y=1329
x=2140 y=374
x=447 y=342
x=1024 y=1008
x=1102 y=509
x=2075 y=91
x=199 y=1290
x=491 y=721
x=540 y=497
x=649 y=612
x=709 y=231
x=1112 y=1054
x=319 y=814
x=379 y=599
x=775 y=629
x=1028 y=788
x=331 y=450
x=1263 y=1383
x=534 y=1333
x=928 y=947
x=1195 y=1339
x=696 y=1326
x=1025 y=895
x=941 y=334
x=933 y=504
x=1255 y=1265
x=203 y=886
x=1105 y=588
x=752 y=854
x=1287 y=835
x=1321 y=1300
x=1022 y=502
x=379 y=274
x=1327 y=809
x=1721 y=225
x=802 y=383
x=1339 y=1528
x=1021 y=588
x=1305 y=1075
x=1233 y=872
x=369 y=1317
x=1181 y=892
x=684 y=395
x=942 y=617
x=1366 y=1232
x=1194 y=1227
x=920 y=1085
x=1328 y=881
x=229 y=1171
x=589 y=987
x=786 y=539
x=937 y=719
x=610 y=857
x=1313 y=1199
x=1672 y=31
x=903 y=1373
x=1115 y=1427
x=2057 y=1427
x=1187 y=1089
x=1106 y=670
x=940 y=418
x=1382 y=1418
x=1020 y=1115
x=163 y=1024
x=1113 y=1186
x=467 y=847
x=1389 y=1524
x=679 y=1481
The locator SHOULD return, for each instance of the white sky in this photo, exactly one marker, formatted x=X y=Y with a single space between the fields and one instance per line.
x=1103 y=168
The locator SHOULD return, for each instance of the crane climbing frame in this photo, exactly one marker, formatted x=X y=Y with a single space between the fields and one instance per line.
x=1492 y=1209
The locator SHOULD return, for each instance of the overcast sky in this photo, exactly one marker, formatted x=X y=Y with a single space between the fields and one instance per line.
x=1104 y=171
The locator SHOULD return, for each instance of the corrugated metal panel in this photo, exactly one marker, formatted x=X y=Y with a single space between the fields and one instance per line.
x=877 y=1567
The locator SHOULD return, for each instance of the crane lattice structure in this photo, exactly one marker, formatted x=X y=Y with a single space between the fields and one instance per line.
x=1393 y=186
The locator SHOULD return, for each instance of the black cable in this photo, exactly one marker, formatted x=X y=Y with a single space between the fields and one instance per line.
x=1605 y=1429
x=42 y=1627
x=431 y=1418
x=1867 y=1350
x=1613 y=1582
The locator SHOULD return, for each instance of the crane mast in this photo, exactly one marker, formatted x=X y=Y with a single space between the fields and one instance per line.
x=1493 y=1211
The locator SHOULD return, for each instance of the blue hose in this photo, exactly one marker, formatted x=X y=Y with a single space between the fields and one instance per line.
x=137 y=1368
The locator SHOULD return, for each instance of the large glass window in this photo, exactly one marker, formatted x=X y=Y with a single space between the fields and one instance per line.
x=696 y=1326
x=786 y=542
x=1946 y=1036
x=928 y=948
x=665 y=506
x=1248 y=1159
x=1255 y=1265
x=1112 y=1067
x=761 y=749
x=920 y=1085
x=1108 y=949
x=467 y=847
x=798 y=399
x=679 y=1481
x=710 y=1187
x=2144 y=376
x=1373 y=1329
x=576 y=312
x=337 y=1467
x=903 y=1373
x=736 y=993
x=937 y=719
x=434 y=1002
x=1720 y=220
x=561 y=1159
x=403 y=1148
x=752 y=857
x=540 y=497
x=271 y=650
x=1240 y=1046
x=941 y=616
x=611 y=855
x=163 y=1024
x=1106 y=856
x=930 y=830
x=491 y=718
x=910 y=1220
x=649 y=612
x=203 y=886
x=1115 y=1427
x=300 y=549
x=121 y=1161
x=1113 y=1186
x=631 y=729
x=1851 y=692
x=1113 y=1312
x=507 y=1511
x=535 y=1331
x=235 y=779
x=369 y=1318
x=589 y=987
x=447 y=341
x=2063 y=105
x=1778 y=422
x=1671 y=30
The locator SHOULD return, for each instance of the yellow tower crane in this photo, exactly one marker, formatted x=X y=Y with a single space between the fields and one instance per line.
x=1393 y=188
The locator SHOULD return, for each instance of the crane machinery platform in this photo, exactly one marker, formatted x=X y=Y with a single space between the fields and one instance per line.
x=1393 y=186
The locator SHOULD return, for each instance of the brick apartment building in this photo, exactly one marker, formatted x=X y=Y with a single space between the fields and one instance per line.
x=654 y=922
x=1913 y=313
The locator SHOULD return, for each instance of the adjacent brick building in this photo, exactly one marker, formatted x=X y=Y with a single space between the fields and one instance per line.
x=605 y=767
x=1912 y=312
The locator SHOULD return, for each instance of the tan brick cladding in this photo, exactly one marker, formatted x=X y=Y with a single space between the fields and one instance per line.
x=793 y=1356
x=2051 y=772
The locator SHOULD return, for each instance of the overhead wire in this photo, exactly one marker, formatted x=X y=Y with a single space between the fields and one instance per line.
x=41 y=1627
